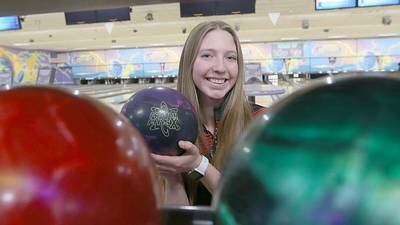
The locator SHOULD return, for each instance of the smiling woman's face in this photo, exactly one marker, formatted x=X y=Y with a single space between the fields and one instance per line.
x=215 y=69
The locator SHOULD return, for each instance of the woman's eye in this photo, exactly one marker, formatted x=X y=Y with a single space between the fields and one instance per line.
x=232 y=58
x=206 y=56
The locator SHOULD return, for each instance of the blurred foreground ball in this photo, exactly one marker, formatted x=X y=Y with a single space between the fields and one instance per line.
x=163 y=116
x=67 y=160
x=327 y=155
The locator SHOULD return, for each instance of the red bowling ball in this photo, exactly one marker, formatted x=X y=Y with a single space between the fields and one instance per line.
x=67 y=160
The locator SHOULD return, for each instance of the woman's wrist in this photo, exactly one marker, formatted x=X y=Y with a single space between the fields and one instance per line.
x=197 y=162
x=202 y=167
x=199 y=171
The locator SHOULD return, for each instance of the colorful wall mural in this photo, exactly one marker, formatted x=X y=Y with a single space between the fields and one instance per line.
x=379 y=54
x=19 y=66
x=124 y=63
x=327 y=56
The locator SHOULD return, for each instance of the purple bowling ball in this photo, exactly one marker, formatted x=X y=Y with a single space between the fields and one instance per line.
x=163 y=116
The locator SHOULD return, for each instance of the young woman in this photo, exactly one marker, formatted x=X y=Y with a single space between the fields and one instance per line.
x=211 y=76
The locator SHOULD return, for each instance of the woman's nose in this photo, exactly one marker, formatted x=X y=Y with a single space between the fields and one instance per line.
x=219 y=64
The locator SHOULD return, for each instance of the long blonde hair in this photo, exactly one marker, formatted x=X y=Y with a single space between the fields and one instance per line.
x=236 y=109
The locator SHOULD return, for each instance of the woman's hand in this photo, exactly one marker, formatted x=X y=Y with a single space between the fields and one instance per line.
x=173 y=165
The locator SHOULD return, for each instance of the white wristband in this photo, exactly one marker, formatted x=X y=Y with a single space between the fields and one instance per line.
x=202 y=167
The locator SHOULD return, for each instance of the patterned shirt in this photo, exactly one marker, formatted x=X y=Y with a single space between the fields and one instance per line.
x=207 y=143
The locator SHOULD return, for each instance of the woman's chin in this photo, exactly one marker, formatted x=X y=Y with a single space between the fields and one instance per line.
x=217 y=98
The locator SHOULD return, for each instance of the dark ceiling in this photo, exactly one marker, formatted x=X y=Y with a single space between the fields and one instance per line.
x=27 y=7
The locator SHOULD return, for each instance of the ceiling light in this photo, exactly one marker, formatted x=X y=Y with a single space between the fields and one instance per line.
x=118 y=46
x=305 y=24
x=386 y=20
x=149 y=16
x=158 y=44
x=387 y=35
x=237 y=27
x=338 y=36
x=22 y=44
x=289 y=38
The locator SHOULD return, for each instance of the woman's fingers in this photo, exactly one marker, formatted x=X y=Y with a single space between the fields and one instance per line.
x=188 y=146
x=192 y=153
x=165 y=169
x=165 y=160
x=168 y=164
x=178 y=164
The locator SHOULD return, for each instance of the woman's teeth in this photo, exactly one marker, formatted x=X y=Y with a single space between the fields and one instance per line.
x=217 y=81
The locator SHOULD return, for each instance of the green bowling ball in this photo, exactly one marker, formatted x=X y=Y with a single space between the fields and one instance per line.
x=327 y=155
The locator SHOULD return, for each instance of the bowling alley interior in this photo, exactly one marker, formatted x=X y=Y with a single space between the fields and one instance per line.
x=329 y=58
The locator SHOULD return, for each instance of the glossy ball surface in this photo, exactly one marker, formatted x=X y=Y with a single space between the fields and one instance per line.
x=327 y=155
x=67 y=160
x=163 y=116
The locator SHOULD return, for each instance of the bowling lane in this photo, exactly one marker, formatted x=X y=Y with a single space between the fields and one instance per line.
x=113 y=96
x=116 y=95
x=96 y=89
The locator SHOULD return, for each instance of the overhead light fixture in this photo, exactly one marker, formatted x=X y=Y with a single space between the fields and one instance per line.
x=289 y=38
x=118 y=46
x=386 y=20
x=149 y=16
x=387 y=35
x=237 y=27
x=22 y=44
x=79 y=49
x=305 y=24
x=337 y=36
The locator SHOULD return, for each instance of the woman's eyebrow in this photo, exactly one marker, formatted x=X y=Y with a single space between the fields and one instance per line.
x=207 y=49
x=214 y=50
x=234 y=52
